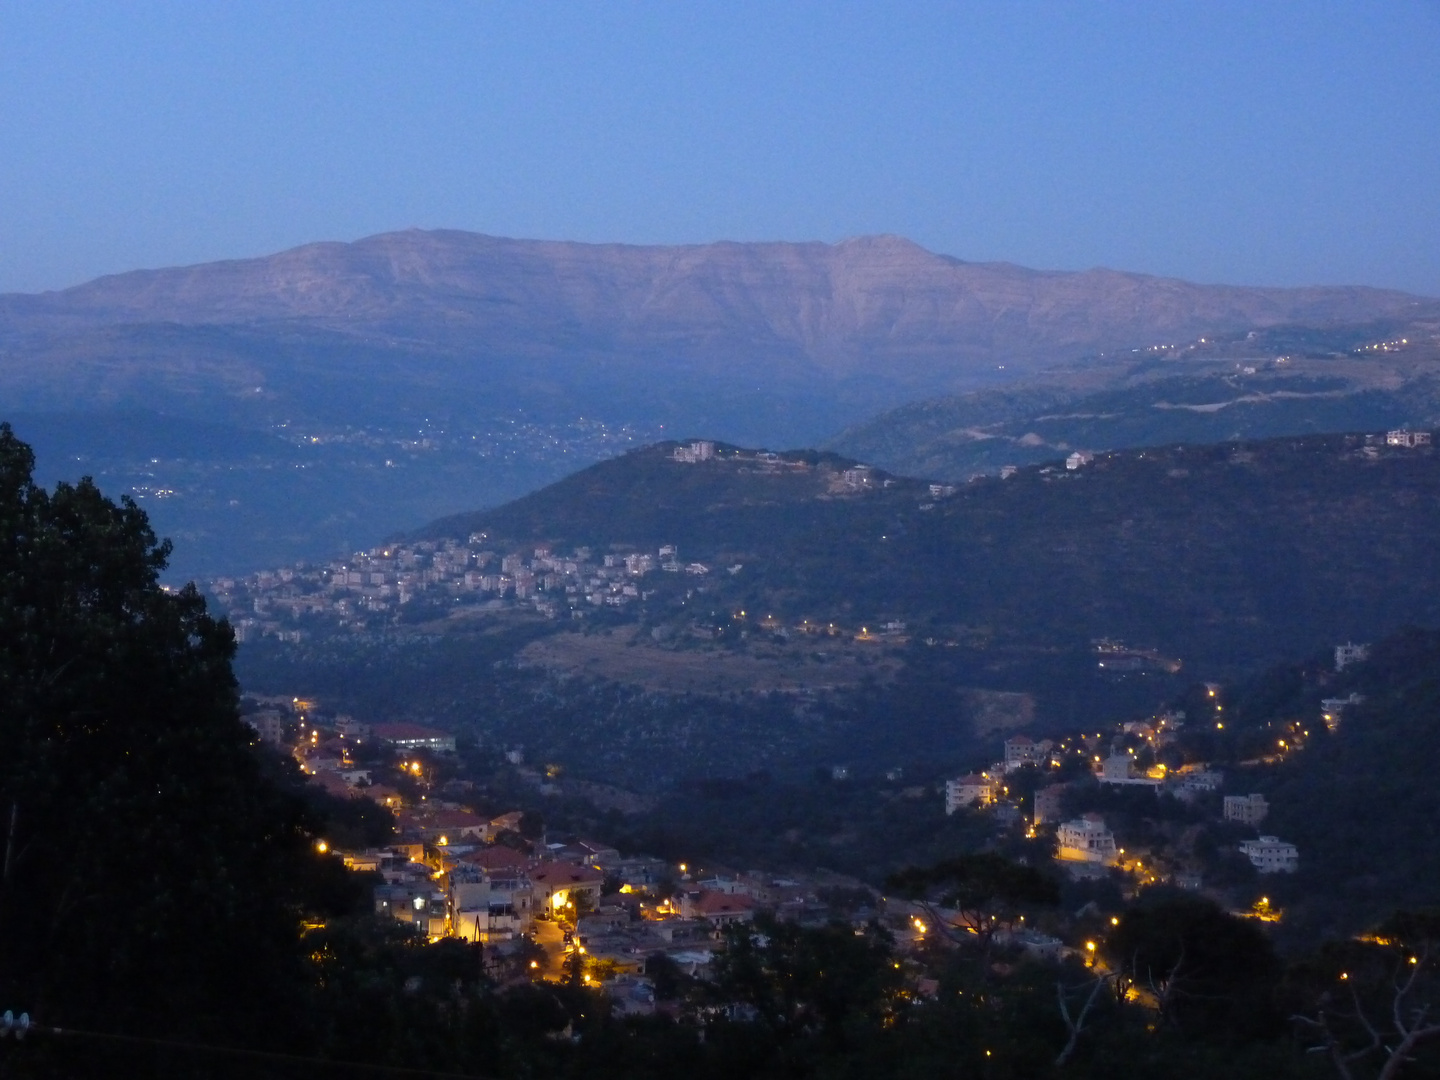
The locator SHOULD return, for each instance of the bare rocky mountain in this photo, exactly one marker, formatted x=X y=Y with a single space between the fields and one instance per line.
x=880 y=309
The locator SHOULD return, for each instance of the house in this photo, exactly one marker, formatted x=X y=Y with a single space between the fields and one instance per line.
x=1047 y=803
x=416 y=903
x=1079 y=458
x=1198 y=782
x=1407 y=438
x=487 y=907
x=976 y=788
x=1332 y=710
x=1350 y=653
x=630 y=995
x=1270 y=855
x=1246 y=809
x=383 y=794
x=1023 y=750
x=637 y=873
x=717 y=908
x=453 y=826
x=497 y=859
x=333 y=784
x=506 y=823
x=1087 y=839
x=415 y=737
x=1119 y=768
x=558 y=884
x=269 y=726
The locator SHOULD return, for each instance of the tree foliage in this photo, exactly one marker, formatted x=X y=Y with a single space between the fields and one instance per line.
x=150 y=876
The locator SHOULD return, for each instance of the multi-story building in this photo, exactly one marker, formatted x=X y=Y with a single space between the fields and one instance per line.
x=975 y=789
x=1087 y=839
x=1271 y=855
x=1246 y=809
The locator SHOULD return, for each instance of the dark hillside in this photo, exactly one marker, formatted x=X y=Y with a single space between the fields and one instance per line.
x=732 y=503
x=1228 y=556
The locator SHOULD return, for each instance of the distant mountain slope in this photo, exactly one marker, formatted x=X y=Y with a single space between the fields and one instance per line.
x=878 y=308
x=1247 y=388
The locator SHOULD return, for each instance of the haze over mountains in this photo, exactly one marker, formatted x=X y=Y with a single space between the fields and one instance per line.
x=415 y=373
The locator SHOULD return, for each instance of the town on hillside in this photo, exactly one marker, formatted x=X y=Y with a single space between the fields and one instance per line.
x=431 y=579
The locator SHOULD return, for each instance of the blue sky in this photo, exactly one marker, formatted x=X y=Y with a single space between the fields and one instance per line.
x=1260 y=142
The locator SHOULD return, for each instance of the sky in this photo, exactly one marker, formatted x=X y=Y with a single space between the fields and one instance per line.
x=1258 y=142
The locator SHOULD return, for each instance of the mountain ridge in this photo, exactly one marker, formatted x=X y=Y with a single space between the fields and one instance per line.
x=882 y=304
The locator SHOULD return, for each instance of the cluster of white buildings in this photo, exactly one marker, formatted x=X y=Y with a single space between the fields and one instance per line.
x=383 y=580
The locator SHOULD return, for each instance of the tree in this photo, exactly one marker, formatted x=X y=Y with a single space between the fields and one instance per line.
x=151 y=877
x=1206 y=972
x=988 y=892
x=1376 y=998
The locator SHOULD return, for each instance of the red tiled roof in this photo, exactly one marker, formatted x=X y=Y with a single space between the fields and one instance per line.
x=565 y=873
x=458 y=819
x=497 y=857
x=334 y=785
x=718 y=903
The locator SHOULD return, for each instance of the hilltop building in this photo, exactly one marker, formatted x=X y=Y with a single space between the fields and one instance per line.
x=703 y=450
x=1410 y=439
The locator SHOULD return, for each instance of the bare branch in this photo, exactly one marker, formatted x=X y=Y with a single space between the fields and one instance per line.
x=1077 y=1025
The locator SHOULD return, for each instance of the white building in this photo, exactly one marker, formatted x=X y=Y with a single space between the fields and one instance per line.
x=703 y=450
x=485 y=907
x=1246 y=809
x=1079 y=458
x=977 y=788
x=1350 y=653
x=415 y=737
x=1087 y=839
x=1407 y=438
x=1332 y=710
x=1270 y=855
x=1120 y=769
x=1023 y=750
